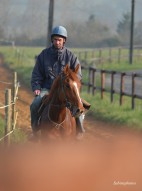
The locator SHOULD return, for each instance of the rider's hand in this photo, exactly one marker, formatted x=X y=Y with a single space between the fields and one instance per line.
x=36 y=92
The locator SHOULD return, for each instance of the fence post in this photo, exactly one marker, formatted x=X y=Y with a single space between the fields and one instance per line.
x=121 y=88
x=133 y=90
x=7 y=115
x=112 y=85
x=89 y=80
x=110 y=55
x=102 y=83
x=85 y=56
x=93 y=53
x=14 y=99
x=93 y=81
x=18 y=58
x=100 y=56
x=138 y=55
x=119 y=55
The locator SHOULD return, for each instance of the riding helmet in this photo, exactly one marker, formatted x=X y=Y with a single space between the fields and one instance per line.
x=59 y=30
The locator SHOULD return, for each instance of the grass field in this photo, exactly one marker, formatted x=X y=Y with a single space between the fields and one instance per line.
x=108 y=112
x=22 y=59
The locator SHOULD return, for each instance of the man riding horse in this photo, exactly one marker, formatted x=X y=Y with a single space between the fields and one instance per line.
x=49 y=64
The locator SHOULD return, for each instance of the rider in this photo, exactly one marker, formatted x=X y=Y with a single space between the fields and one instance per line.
x=49 y=63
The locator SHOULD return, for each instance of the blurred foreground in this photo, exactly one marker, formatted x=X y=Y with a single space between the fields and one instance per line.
x=107 y=165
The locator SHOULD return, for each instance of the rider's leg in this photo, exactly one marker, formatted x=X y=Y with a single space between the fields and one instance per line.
x=34 y=110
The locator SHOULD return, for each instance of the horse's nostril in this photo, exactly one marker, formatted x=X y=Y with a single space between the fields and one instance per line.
x=79 y=111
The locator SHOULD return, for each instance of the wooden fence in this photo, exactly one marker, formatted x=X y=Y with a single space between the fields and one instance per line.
x=124 y=84
x=94 y=56
x=109 y=55
x=10 y=109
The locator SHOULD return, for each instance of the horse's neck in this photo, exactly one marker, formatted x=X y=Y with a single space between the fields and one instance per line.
x=57 y=109
x=55 y=100
x=57 y=113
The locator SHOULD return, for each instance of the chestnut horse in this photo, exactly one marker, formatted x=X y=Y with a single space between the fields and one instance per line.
x=61 y=106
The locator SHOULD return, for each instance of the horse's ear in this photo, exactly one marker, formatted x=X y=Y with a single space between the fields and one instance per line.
x=66 y=68
x=76 y=68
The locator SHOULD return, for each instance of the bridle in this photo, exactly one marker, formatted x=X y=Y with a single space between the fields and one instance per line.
x=68 y=104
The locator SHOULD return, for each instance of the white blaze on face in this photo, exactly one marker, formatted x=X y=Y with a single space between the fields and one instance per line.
x=77 y=91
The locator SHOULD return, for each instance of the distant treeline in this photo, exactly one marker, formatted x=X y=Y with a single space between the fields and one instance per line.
x=109 y=42
x=90 y=34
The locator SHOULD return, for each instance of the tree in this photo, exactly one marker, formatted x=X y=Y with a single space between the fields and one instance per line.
x=138 y=33
x=36 y=18
x=123 y=28
x=124 y=25
x=87 y=34
x=4 y=16
x=1 y=33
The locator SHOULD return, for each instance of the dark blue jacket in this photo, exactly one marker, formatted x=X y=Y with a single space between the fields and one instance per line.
x=48 y=61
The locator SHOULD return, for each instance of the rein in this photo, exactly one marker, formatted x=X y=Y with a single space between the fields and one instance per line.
x=57 y=125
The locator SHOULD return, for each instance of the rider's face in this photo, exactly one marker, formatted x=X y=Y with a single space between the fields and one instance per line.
x=58 y=42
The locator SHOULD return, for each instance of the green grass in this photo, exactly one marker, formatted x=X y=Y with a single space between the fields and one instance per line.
x=124 y=66
x=21 y=60
x=17 y=136
x=102 y=110
x=105 y=54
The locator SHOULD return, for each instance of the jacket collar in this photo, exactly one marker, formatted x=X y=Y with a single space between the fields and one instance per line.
x=55 y=51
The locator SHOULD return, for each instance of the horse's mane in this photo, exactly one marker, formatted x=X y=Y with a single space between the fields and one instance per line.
x=66 y=74
x=47 y=99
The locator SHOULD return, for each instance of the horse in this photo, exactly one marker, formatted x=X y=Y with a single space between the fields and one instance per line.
x=61 y=106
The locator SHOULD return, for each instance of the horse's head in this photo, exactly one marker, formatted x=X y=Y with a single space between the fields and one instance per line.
x=70 y=90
